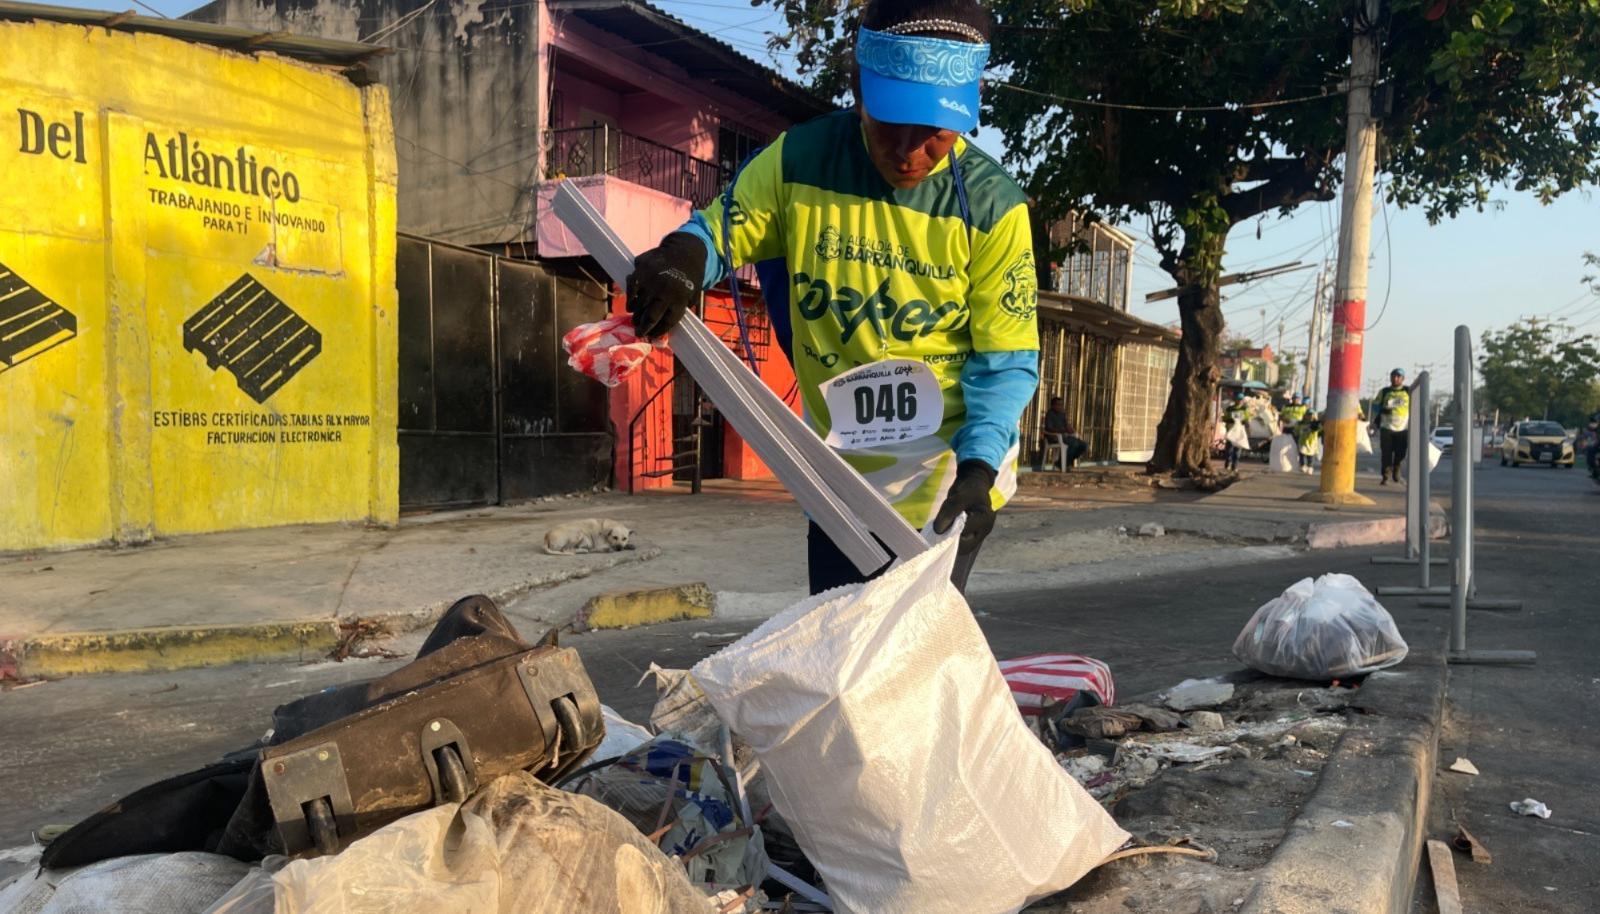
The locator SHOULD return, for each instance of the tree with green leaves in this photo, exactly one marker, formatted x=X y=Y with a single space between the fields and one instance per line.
x=1539 y=369
x=1198 y=115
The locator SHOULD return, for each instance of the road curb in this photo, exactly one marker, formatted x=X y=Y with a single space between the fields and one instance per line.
x=159 y=649
x=649 y=606
x=1378 y=531
x=1354 y=847
x=171 y=648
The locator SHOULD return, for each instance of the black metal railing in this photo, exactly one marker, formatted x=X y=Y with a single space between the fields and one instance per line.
x=600 y=149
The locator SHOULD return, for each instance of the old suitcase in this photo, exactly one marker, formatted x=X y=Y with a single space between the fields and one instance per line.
x=475 y=703
x=533 y=710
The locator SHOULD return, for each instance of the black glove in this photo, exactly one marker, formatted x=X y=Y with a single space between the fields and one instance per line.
x=969 y=495
x=665 y=282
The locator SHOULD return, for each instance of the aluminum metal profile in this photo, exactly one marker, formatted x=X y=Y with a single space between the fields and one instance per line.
x=880 y=516
x=829 y=489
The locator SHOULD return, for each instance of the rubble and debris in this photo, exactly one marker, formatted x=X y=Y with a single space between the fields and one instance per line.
x=1465 y=841
x=685 y=800
x=1531 y=807
x=1342 y=823
x=1203 y=720
x=1322 y=629
x=1152 y=529
x=1443 y=866
x=1463 y=766
x=1193 y=694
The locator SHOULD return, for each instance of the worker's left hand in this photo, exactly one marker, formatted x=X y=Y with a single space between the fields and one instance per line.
x=968 y=495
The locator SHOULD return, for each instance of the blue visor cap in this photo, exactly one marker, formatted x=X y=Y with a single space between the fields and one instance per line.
x=910 y=79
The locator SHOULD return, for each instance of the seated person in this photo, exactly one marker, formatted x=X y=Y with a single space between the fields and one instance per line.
x=1058 y=430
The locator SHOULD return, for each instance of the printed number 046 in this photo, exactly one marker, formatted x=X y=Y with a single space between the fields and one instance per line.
x=886 y=403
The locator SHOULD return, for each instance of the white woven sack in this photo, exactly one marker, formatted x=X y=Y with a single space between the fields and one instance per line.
x=894 y=749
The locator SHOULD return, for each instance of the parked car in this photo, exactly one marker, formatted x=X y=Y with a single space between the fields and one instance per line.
x=1444 y=438
x=1538 y=441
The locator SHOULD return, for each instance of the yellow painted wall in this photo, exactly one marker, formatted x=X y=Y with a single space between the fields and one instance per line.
x=116 y=423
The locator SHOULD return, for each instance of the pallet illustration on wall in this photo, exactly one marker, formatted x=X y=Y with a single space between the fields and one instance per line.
x=252 y=333
x=30 y=322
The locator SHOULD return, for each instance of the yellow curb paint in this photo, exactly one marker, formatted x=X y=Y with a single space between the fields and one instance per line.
x=628 y=608
x=174 y=648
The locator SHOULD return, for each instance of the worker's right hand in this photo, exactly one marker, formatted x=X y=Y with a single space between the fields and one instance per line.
x=665 y=283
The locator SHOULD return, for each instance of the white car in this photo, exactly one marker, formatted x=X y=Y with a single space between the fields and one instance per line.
x=1444 y=438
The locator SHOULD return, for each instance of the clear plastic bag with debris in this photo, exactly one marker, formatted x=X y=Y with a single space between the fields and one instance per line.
x=1328 y=628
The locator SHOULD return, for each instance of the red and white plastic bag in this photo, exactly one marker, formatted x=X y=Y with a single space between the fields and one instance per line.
x=1038 y=678
x=607 y=350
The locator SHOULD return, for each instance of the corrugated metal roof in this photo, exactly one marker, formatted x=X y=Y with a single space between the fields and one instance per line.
x=700 y=55
x=1095 y=317
x=300 y=47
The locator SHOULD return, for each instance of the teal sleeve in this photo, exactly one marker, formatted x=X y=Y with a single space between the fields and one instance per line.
x=715 y=267
x=997 y=387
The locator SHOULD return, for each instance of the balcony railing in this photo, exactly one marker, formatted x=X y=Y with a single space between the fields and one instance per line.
x=575 y=152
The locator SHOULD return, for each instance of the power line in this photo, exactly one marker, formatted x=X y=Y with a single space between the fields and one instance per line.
x=1327 y=92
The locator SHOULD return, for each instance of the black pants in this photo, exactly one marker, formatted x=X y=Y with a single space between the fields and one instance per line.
x=1392 y=447
x=831 y=568
x=1305 y=460
x=1230 y=455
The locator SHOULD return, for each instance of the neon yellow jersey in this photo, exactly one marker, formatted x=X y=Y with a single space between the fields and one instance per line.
x=1394 y=408
x=876 y=273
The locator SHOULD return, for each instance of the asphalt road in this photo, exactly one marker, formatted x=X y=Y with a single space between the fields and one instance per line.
x=72 y=746
x=1531 y=731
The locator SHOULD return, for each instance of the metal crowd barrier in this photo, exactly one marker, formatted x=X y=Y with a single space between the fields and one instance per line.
x=1462 y=590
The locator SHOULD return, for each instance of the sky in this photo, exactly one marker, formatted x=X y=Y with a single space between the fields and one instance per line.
x=1484 y=270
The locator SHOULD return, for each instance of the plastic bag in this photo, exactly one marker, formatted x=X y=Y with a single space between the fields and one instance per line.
x=1433 y=456
x=1238 y=436
x=1038 y=678
x=607 y=350
x=1363 y=438
x=1283 y=450
x=180 y=883
x=892 y=746
x=1330 y=628
x=518 y=845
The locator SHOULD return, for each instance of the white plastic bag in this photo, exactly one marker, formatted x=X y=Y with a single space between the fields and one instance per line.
x=1238 y=436
x=1433 y=456
x=1363 y=438
x=1283 y=455
x=1330 y=628
x=893 y=748
x=180 y=883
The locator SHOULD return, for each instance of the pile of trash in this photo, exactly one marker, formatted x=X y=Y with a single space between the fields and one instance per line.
x=796 y=770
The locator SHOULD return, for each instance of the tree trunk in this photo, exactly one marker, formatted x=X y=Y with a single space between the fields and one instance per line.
x=1183 y=439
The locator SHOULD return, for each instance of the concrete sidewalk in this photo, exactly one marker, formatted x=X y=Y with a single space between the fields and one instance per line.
x=298 y=592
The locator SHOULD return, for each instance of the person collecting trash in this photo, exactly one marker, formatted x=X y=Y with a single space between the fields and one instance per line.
x=1307 y=436
x=1391 y=413
x=898 y=270
x=1235 y=415
x=1290 y=415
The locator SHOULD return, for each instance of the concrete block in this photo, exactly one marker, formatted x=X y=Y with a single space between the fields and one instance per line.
x=628 y=608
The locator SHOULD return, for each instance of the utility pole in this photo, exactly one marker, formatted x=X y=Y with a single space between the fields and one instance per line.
x=1314 y=345
x=1338 y=484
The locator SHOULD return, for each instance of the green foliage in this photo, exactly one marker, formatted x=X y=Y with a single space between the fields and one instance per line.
x=1493 y=92
x=1539 y=369
x=1195 y=115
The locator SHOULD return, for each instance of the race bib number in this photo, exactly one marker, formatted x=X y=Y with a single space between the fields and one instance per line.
x=883 y=403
